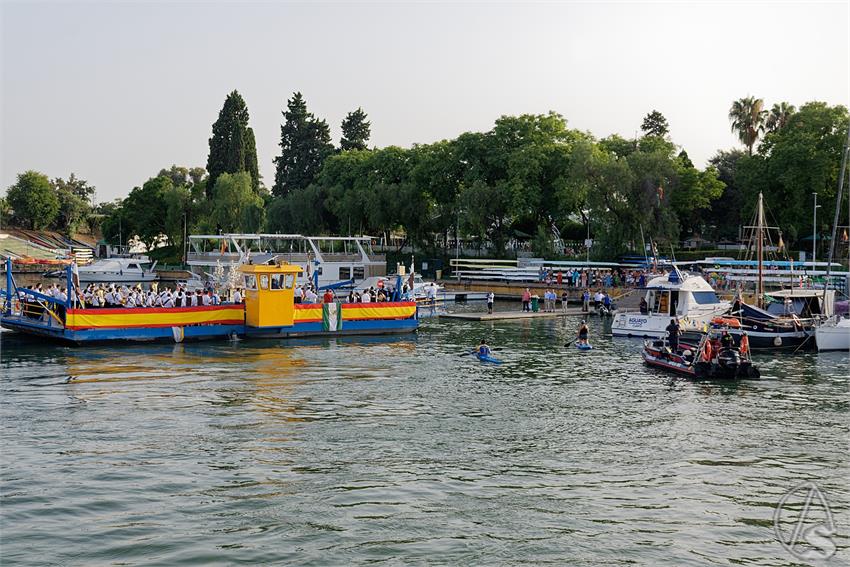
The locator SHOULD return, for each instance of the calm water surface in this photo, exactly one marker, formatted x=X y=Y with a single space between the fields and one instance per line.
x=400 y=451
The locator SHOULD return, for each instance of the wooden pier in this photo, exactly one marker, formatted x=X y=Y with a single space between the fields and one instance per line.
x=503 y=315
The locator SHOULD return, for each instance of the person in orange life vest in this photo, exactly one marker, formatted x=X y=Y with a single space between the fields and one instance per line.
x=707 y=351
x=744 y=344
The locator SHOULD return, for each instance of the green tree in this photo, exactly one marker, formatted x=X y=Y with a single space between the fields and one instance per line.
x=747 y=116
x=796 y=160
x=305 y=142
x=232 y=145
x=5 y=212
x=779 y=115
x=236 y=206
x=145 y=212
x=73 y=210
x=355 y=131
x=725 y=214
x=33 y=200
x=654 y=124
x=113 y=220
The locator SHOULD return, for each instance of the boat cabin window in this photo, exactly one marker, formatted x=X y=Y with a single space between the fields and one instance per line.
x=345 y=273
x=264 y=281
x=705 y=297
x=251 y=282
x=358 y=273
x=132 y=266
x=282 y=281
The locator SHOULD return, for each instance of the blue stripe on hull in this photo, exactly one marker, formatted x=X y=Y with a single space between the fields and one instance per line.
x=377 y=327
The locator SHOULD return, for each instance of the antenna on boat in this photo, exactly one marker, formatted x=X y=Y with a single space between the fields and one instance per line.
x=643 y=243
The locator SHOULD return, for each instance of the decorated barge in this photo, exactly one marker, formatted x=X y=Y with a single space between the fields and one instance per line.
x=269 y=310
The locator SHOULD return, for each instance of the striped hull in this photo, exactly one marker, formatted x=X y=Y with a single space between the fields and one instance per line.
x=211 y=323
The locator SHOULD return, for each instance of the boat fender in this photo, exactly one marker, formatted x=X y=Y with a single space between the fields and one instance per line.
x=777 y=341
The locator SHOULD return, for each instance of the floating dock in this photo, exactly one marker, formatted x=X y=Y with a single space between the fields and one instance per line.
x=502 y=315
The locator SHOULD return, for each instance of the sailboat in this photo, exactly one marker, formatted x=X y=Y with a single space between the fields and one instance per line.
x=834 y=333
x=765 y=330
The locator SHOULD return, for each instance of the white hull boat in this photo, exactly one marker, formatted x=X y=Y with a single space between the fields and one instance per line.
x=833 y=334
x=117 y=270
x=686 y=297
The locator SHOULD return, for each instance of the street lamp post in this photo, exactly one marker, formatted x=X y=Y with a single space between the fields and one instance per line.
x=587 y=241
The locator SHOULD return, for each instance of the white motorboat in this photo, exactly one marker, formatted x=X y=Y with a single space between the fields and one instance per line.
x=333 y=260
x=833 y=334
x=675 y=295
x=132 y=269
x=423 y=289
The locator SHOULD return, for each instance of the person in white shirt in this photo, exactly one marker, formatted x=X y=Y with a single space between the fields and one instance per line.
x=205 y=299
x=169 y=299
x=366 y=297
x=310 y=296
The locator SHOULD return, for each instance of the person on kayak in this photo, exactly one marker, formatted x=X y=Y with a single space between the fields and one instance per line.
x=483 y=349
x=582 y=333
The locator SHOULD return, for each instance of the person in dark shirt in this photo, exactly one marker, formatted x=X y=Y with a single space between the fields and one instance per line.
x=673 y=334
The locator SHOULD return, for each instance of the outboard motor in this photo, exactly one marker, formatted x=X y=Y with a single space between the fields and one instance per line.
x=729 y=359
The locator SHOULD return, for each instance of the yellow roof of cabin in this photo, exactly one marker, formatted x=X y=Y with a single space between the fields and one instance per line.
x=267 y=269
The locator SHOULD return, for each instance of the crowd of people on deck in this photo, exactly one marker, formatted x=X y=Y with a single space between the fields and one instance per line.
x=118 y=296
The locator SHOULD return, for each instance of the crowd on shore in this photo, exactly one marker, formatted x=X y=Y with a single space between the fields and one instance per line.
x=583 y=278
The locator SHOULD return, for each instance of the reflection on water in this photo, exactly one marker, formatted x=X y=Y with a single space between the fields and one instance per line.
x=401 y=450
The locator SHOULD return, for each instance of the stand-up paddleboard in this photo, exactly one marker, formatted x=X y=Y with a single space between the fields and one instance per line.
x=581 y=346
x=488 y=358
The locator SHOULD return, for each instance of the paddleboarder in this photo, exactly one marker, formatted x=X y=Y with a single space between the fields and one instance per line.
x=582 y=333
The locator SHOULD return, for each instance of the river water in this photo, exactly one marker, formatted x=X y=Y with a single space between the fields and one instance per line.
x=399 y=451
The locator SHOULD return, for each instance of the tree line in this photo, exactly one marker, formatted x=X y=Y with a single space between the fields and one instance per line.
x=527 y=179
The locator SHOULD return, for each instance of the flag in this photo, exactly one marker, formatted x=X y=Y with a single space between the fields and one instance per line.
x=75 y=281
x=331 y=317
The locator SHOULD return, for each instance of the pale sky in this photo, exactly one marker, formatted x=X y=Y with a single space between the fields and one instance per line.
x=115 y=91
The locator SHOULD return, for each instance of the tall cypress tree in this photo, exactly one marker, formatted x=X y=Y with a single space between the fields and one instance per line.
x=305 y=142
x=355 y=131
x=232 y=146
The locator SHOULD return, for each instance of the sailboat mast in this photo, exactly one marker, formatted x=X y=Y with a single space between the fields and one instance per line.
x=837 y=212
x=760 y=246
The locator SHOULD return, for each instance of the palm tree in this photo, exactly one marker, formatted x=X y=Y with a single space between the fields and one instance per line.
x=779 y=115
x=747 y=116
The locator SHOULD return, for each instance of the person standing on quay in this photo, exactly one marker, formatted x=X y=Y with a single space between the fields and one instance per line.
x=585 y=301
x=526 y=300
x=490 y=297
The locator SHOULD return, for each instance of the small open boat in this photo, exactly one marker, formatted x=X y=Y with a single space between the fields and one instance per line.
x=728 y=364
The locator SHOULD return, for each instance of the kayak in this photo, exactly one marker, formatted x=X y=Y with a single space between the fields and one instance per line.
x=581 y=346
x=488 y=358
